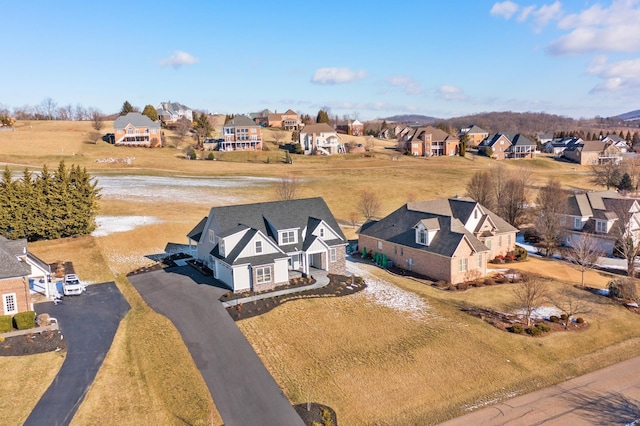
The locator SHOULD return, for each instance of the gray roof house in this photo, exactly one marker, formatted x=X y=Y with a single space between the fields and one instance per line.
x=135 y=129
x=596 y=213
x=508 y=145
x=447 y=239
x=15 y=270
x=170 y=112
x=254 y=246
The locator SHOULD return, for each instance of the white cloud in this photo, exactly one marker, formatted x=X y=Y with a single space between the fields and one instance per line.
x=178 y=59
x=525 y=12
x=506 y=9
x=337 y=75
x=451 y=93
x=547 y=13
x=409 y=85
x=616 y=75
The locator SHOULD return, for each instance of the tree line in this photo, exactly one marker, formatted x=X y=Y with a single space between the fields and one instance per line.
x=48 y=205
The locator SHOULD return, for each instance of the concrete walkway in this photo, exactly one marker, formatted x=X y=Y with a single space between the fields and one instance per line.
x=321 y=281
x=88 y=323
x=244 y=392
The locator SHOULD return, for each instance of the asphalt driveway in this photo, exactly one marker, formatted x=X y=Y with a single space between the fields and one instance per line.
x=88 y=324
x=243 y=390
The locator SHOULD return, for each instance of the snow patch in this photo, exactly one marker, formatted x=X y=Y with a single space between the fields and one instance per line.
x=111 y=224
x=542 y=312
x=389 y=295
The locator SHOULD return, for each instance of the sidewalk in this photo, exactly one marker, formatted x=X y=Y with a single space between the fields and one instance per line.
x=321 y=281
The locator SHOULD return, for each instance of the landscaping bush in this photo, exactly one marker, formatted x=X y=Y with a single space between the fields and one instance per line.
x=489 y=281
x=533 y=331
x=442 y=284
x=564 y=317
x=462 y=286
x=580 y=320
x=6 y=324
x=516 y=328
x=479 y=283
x=543 y=327
x=623 y=288
x=520 y=253
x=211 y=156
x=25 y=320
x=554 y=319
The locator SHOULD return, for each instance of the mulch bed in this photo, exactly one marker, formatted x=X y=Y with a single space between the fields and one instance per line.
x=504 y=321
x=339 y=285
x=35 y=343
x=314 y=413
x=293 y=283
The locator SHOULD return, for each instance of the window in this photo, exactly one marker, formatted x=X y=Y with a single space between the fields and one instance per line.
x=479 y=260
x=258 y=247
x=395 y=250
x=576 y=223
x=475 y=214
x=488 y=244
x=422 y=237
x=332 y=255
x=509 y=240
x=10 y=304
x=462 y=264
x=288 y=237
x=221 y=247
x=401 y=251
x=321 y=232
x=601 y=226
x=212 y=236
x=263 y=275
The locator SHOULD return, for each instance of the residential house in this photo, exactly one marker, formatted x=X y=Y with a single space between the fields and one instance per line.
x=287 y=121
x=241 y=134
x=558 y=145
x=592 y=152
x=431 y=142
x=170 y=112
x=261 y=118
x=351 y=127
x=508 y=146
x=15 y=294
x=254 y=246
x=543 y=138
x=595 y=214
x=619 y=142
x=447 y=239
x=475 y=135
x=320 y=138
x=135 y=129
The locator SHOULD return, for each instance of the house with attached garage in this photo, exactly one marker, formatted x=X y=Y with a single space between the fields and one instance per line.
x=15 y=271
x=320 y=139
x=135 y=129
x=447 y=239
x=508 y=145
x=255 y=246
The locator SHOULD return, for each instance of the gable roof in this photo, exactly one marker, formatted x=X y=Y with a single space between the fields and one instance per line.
x=475 y=129
x=10 y=265
x=136 y=120
x=241 y=121
x=317 y=128
x=521 y=140
x=436 y=134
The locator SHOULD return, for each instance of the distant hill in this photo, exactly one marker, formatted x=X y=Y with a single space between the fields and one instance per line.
x=411 y=118
x=629 y=116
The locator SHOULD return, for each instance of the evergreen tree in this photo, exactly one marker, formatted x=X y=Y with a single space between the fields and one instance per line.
x=464 y=139
x=295 y=136
x=588 y=136
x=628 y=137
x=8 y=195
x=151 y=112
x=323 y=117
x=126 y=108
x=625 y=183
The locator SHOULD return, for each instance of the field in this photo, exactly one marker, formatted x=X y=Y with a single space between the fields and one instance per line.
x=373 y=363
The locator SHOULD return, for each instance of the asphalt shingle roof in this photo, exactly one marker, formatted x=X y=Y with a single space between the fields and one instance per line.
x=10 y=265
x=136 y=120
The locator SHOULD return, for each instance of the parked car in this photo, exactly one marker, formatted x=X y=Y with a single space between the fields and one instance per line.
x=109 y=138
x=72 y=286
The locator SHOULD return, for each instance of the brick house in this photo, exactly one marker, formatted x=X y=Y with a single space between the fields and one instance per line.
x=254 y=246
x=447 y=239
x=287 y=121
x=351 y=127
x=241 y=134
x=430 y=142
x=475 y=135
x=135 y=129
x=508 y=145
x=15 y=295
x=592 y=152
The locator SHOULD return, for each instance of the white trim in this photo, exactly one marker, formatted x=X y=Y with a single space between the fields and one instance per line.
x=7 y=303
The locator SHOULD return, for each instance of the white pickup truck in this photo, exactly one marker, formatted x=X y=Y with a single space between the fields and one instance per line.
x=72 y=285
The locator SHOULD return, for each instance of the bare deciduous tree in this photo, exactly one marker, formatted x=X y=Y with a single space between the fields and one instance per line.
x=480 y=188
x=607 y=174
x=627 y=242
x=95 y=136
x=583 y=252
x=551 y=205
x=369 y=205
x=570 y=304
x=529 y=295
x=278 y=136
x=182 y=127
x=286 y=187
x=97 y=120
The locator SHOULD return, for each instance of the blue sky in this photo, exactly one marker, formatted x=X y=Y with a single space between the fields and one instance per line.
x=359 y=58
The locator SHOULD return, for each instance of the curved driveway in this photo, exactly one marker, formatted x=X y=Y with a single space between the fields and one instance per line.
x=88 y=324
x=244 y=392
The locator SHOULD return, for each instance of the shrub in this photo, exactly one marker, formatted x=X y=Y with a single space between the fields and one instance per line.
x=462 y=286
x=25 y=320
x=554 y=319
x=564 y=317
x=442 y=284
x=452 y=287
x=520 y=253
x=479 y=283
x=543 y=327
x=211 y=156
x=580 y=320
x=6 y=324
x=623 y=288
x=516 y=328
x=533 y=331
x=489 y=281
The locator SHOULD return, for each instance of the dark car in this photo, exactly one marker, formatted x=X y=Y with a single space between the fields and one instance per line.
x=109 y=138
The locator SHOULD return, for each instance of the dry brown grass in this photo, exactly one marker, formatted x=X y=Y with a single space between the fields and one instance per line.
x=25 y=379
x=377 y=366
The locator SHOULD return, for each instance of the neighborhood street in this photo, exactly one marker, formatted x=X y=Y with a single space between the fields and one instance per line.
x=605 y=397
x=244 y=392
x=88 y=323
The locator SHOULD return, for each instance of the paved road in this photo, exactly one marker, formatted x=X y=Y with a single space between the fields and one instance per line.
x=610 y=396
x=243 y=390
x=88 y=323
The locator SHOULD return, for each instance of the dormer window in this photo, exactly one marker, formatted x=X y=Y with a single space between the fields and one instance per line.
x=221 y=247
x=422 y=237
x=601 y=226
x=576 y=223
x=288 y=237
